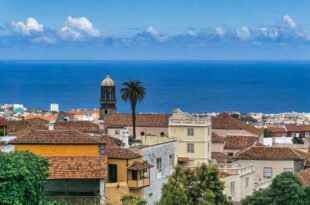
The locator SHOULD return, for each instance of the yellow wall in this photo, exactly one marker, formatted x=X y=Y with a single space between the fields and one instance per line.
x=60 y=150
x=201 y=141
x=121 y=167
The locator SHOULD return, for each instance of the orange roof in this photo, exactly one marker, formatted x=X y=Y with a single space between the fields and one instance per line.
x=139 y=166
x=225 y=174
x=239 y=142
x=225 y=121
x=304 y=176
x=142 y=120
x=220 y=157
x=271 y=153
x=183 y=159
x=215 y=138
x=43 y=117
x=86 y=167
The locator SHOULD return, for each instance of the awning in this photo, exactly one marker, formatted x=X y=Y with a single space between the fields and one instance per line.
x=139 y=166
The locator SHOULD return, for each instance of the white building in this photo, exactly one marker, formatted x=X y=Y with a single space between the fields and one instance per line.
x=54 y=107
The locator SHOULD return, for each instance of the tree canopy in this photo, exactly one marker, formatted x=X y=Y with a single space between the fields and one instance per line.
x=286 y=189
x=200 y=186
x=22 y=179
x=130 y=199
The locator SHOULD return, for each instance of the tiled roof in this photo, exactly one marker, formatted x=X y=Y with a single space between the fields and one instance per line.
x=304 y=176
x=2 y=121
x=139 y=166
x=215 y=138
x=17 y=126
x=43 y=117
x=271 y=153
x=220 y=157
x=277 y=129
x=304 y=128
x=120 y=153
x=292 y=128
x=53 y=137
x=105 y=139
x=225 y=121
x=142 y=120
x=78 y=167
x=83 y=126
x=239 y=142
x=225 y=174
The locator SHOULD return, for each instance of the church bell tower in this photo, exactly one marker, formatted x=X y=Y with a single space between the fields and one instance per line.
x=107 y=98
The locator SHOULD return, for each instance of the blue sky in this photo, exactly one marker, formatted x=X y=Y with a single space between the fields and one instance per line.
x=161 y=29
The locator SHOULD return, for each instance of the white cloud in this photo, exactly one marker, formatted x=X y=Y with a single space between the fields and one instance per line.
x=220 y=31
x=77 y=28
x=26 y=28
x=289 y=21
x=151 y=32
x=243 y=33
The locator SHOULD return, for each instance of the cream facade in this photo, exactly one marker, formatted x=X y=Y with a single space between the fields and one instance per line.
x=266 y=169
x=193 y=136
x=239 y=181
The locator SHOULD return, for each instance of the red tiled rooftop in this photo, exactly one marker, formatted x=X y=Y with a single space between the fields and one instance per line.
x=120 y=153
x=220 y=157
x=139 y=166
x=215 y=138
x=2 y=121
x=142 y=120
x=83 y=126
x=304 y=176
x=77 y=167
x=225 y=121
x=53 y=137
x=271 y=153
x=239 y=142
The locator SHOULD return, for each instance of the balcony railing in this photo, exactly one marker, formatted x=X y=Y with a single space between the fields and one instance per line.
x=189 y=122
x=237 y=168
x=263 y=184
x=139 y=183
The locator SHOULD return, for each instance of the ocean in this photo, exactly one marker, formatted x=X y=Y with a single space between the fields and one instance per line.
x=193 y=86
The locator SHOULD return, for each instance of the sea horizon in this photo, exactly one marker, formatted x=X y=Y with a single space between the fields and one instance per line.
x=191 y=85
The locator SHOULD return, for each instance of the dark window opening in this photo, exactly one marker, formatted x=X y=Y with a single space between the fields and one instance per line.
x=112 y=173
x=134 y=175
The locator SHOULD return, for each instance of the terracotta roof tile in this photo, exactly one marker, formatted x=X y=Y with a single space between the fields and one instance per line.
x=43 y=117
x=304 y=176
x=215 y=138
x=120 y=153
x=78 y=167
x=292 y=128
x=17 y=126
x=220 y=157
x=225 y=121
x=136 y=165
x=239 y=142
x=142 y=120
x=83 y=126
x=53 y=137
x=277 y=129
x=271 y=153
x=225 y=174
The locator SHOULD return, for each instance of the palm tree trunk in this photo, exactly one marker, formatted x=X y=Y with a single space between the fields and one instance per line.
x=133 y=109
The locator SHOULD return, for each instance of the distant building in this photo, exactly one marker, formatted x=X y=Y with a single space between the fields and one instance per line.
x=107 y=97
x=146 y=124
x=193 y=136
x=54 y=108
x=3 y=127
x=78 y=164
x=271 y=161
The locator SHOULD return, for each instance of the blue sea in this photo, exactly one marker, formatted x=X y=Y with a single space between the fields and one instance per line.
x=194 y=86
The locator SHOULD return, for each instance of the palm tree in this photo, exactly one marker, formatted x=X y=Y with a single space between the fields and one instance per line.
x=133 y=91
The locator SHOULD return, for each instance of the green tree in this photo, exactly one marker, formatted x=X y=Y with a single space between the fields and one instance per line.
x=22 y=179
x=132 y=200
x=200 y=186
x=134 y=92
x=298 y=140
x=267 y=133
x=286 y=189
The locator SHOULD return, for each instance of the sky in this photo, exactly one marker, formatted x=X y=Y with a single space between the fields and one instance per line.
x=155 y=29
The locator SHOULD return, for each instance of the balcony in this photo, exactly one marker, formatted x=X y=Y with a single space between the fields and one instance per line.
x=138 y=175
x=237 y=169
x=190 y=122
x=139 y=183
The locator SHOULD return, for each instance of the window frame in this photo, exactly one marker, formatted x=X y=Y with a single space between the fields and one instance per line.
x=158 y=164
x=266 y=173
x=190 y=132
x=190 y=148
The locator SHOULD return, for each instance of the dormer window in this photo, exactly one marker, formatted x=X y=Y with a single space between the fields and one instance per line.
x=101 y=150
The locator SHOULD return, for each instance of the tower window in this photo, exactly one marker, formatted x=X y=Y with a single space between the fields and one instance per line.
x=142 y=133
x=105 y=111
x=162 y=134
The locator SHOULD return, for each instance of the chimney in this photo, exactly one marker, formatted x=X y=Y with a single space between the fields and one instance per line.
x=125 y=138
x=51 y=126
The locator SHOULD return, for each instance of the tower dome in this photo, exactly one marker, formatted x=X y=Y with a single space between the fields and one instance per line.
x=107 y=81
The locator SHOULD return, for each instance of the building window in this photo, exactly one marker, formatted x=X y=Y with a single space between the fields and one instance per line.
x=171 y=160
x=268 y=172
x=307 y=134
x=134 y=174
x=116 y=132
x=288 y=169
x=158 y=164
x=209 y=131
x=162 y=134
x=190 y=131
x=247 y=182
x=208 y=147
x=142 y=133
x=232 y=188
x=145 y=171
x=190 y=148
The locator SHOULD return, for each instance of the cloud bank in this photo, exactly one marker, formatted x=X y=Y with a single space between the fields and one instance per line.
x=80 y=32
